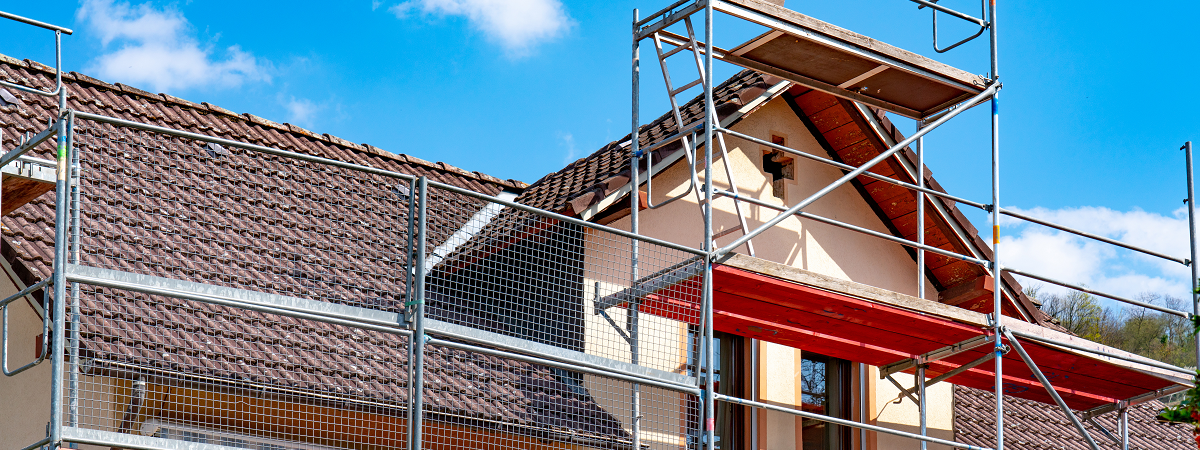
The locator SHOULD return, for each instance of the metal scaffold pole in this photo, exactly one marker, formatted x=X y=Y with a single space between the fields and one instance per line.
x=1191 y=202
x=58 y=340
x=416 y=418
x=634 y=193
x=923 y=406
x=710 y=417
x=920 y=215
x=997 y=288
x=73 y=352
x=1123 y=417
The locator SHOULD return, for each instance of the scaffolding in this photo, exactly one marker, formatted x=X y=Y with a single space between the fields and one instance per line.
x=387 y=310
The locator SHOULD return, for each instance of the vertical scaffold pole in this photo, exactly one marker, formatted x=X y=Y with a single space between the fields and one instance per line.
x=920 y=379
x=997 y=293
x=73 y=352
x=1191 y=201
x=410 y=287
x=58 y=341
x=710 y=409
x=635 y=421
x=862 y=405
x=921 y=218
x=418 y=337
x=1123 y=418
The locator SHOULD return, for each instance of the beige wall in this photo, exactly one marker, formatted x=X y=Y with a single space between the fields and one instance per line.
x=803 y=244
x=24 y=398
x=904 y=415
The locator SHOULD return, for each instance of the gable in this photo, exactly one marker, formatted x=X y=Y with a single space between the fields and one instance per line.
x=846 y=133
x=801 y=243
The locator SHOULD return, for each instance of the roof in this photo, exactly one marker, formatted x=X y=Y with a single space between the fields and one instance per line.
x=590 y=179
x=1033 y=425
x=179 y=209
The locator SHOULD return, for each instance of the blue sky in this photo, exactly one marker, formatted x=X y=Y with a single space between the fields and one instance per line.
x=1097 y=96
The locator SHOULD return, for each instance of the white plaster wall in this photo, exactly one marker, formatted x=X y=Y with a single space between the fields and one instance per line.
x=778 y=381
x=797 y=242
x=801 y=243
x=662 y=345
x=905 y=416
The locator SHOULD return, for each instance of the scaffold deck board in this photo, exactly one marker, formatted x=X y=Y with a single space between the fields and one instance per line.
x=846 y=64
x=24 y=181
x=789 y=306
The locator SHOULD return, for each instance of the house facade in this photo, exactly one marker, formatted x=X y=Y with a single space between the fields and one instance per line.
x=193 y=371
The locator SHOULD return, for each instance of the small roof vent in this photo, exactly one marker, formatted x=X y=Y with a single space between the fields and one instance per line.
x=402 y=190
x=7 y=99
x=214 y=150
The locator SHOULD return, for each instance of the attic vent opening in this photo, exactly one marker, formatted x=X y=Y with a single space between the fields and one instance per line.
x=214 y=150
x=779 y=167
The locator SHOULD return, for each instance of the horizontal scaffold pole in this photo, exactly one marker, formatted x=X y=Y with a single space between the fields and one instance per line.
x=606 y=373
x=844 y=422
x=1085 y=234
x=1088 y=290
x=844 y=166
x=836 y=223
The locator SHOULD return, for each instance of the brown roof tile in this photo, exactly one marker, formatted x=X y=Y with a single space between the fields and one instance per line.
x=1039 y=426
x=587 y=180
x=169 y=207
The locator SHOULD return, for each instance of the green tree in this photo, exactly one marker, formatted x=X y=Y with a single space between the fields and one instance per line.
x=1164 y=337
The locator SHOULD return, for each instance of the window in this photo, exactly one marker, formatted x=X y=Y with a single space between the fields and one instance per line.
x=825 y=389
x=779 y=167
x=728 y=353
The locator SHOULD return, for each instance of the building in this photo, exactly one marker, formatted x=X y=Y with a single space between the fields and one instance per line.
x=225 y=227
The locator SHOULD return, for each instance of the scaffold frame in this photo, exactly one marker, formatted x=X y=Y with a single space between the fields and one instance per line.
x=686 y=270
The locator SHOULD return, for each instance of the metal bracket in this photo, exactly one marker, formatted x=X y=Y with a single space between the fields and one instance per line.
x=932 y=4
x=939 y=354
x=1131 y=401
x=602 y=312
x=45 y=328
x=1104 y=430
x=960 y=369
x=905 y=392
x=24 y=147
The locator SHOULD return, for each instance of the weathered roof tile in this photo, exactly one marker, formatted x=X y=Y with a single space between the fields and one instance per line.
x=168 y=207
x=1039 y=426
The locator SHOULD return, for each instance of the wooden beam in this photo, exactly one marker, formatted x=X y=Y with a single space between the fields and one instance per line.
x=975 y=295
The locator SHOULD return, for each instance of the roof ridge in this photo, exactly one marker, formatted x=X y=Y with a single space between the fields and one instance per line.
x=260 y=121
x=745 y=76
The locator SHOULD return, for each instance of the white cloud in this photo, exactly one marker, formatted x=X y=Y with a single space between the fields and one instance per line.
x=518 y=25
x=157 y=51
x=568 y=141
x=301 y=111
x=1066 y=257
